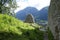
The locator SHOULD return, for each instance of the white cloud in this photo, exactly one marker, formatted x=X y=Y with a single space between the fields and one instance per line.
x=39 y=4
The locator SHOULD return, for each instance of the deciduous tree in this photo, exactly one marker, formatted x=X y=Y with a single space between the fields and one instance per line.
x=7 y=6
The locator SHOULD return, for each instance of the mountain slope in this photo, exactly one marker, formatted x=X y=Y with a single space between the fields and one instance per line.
x=13 y=29
x=43 y=14
x=29 y=10
x=38 y=15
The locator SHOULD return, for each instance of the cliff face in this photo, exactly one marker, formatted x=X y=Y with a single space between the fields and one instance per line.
x=54 y=17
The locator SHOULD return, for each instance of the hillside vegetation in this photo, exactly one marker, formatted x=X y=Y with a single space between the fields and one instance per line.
x=14 y=29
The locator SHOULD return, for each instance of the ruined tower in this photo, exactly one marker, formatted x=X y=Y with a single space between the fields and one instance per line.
x=54 y=18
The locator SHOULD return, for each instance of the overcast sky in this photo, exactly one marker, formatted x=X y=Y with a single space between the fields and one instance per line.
x=39 y=4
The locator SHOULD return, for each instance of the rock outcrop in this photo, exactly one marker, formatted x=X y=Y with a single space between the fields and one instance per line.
x=54 y=18
x=29 y=18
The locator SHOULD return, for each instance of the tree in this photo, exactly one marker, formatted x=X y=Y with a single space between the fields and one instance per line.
x=29 y=18
x=7 y=6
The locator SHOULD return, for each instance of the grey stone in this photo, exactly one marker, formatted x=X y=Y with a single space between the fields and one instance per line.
x=54 y=17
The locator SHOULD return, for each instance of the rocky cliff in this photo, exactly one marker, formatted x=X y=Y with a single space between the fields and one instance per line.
x=53 y=18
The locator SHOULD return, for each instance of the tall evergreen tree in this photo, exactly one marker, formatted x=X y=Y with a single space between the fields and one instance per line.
x=7 y=6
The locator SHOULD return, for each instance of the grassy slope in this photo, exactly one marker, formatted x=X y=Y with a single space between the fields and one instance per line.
x=13 y=29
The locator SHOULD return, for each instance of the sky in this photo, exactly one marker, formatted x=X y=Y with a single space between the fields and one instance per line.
x=39 y=4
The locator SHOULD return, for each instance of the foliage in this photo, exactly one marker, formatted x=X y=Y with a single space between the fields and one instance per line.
x=50 y=35
x=29 y=18
x=7 y=6
x=13 y=29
